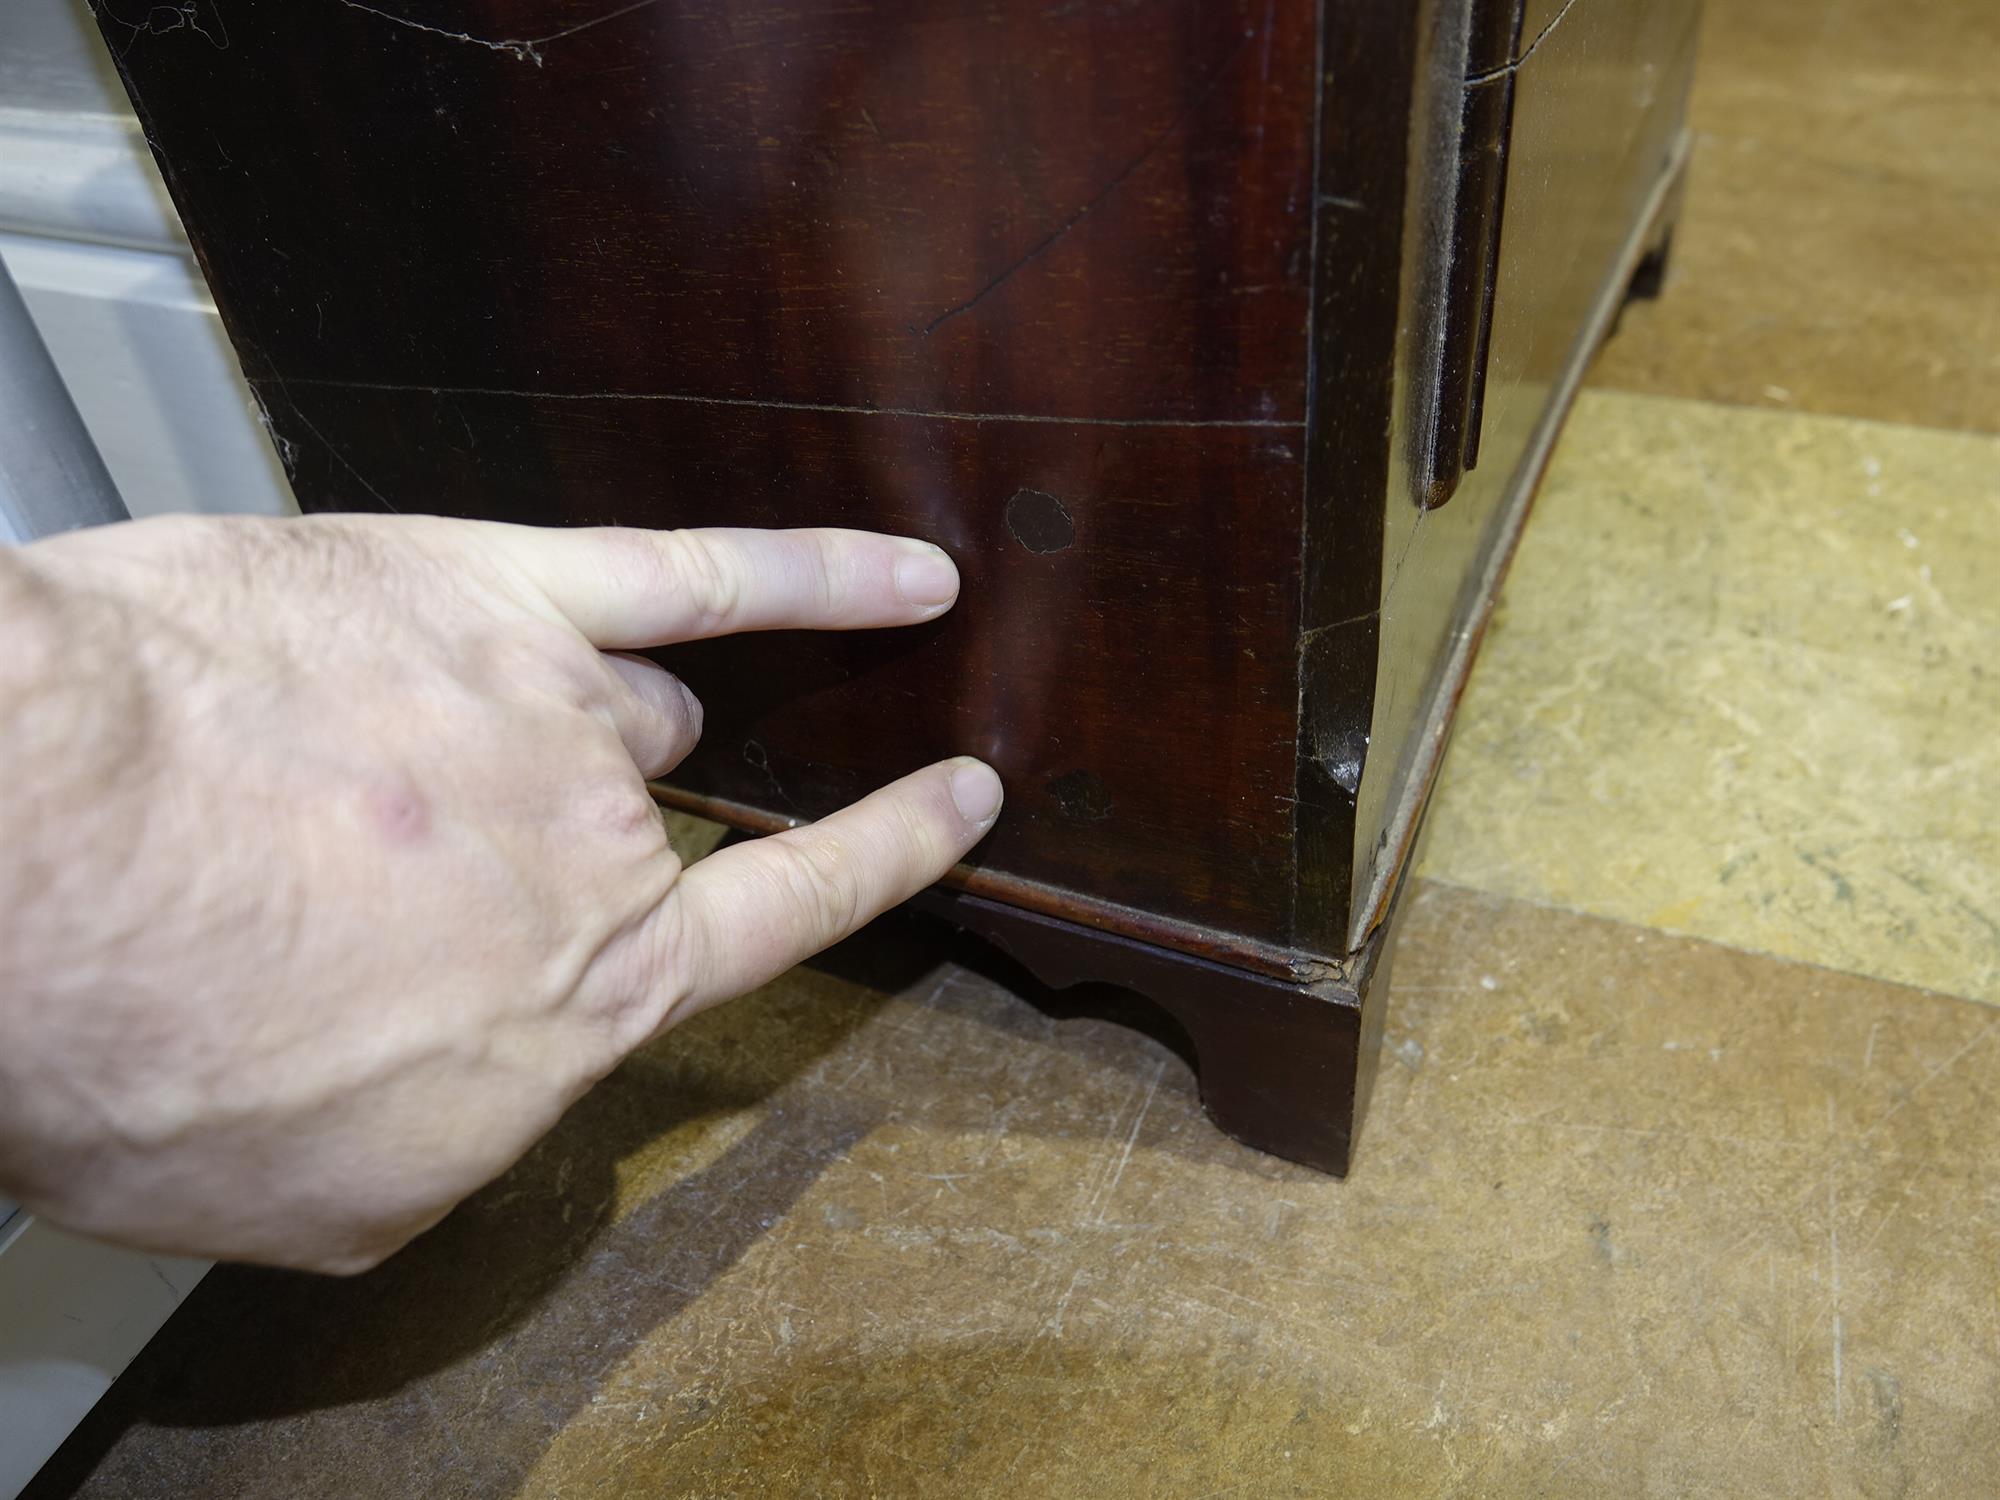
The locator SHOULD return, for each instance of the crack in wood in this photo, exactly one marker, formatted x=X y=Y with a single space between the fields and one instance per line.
x=528 y=49
x=754 y=403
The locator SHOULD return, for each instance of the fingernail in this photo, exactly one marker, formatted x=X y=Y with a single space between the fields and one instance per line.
x=926 y=577
x=976 y=789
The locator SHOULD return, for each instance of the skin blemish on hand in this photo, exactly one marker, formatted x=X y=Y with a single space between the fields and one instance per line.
x=397 y=811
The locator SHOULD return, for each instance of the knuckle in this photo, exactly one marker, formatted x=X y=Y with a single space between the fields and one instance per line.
x=825 y=561
x=537 y=662
x=920 y=837
x=632 y=559
x=310 y=549
x=672 y=950
x=614 y=802
x=623 y=1012
x=360 y=1248
x=702 y=572
x=640 y=564
x=634 y=989
x=347 y=1262
x=822 y=885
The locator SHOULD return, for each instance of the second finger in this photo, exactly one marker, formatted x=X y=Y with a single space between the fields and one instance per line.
x=751 y=911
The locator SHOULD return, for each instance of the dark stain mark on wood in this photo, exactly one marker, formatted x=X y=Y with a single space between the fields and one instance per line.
x=1040 y=522
x=1081 y=797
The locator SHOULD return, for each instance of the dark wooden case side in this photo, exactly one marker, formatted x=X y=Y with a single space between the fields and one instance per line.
x=467 y=279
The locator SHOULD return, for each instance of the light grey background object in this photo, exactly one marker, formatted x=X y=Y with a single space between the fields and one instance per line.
x=51 y=478
x=89 y=235
x=72 y=1315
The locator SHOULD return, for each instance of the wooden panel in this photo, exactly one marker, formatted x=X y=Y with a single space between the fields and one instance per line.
x=1081 y=208
x=678 y=264
x=1124 y=660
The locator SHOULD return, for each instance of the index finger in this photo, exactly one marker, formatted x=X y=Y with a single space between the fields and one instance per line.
x=624 y=588
x=750 y=911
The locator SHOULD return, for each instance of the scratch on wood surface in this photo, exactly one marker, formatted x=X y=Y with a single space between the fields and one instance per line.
x=759 y=404
x=444 y=1424
x=1474 y=79
x=1929 y=1078
x=1101 y=1199
x=1054 y=1326
x=1661 y=1133
x=1889 y=1214
x=1839 y=1331
x=1118 y=180
x=1320 y=630
x=340 y=458
x=1794 y=1343
x=288 y=451
x=1263 y=1307
x=528 y=49
x=1697 y=1296
x=161 y=19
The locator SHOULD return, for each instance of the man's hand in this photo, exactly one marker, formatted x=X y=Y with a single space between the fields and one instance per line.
x=330 y=877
